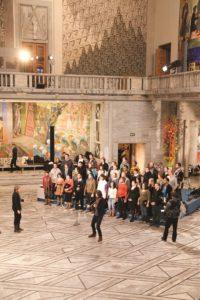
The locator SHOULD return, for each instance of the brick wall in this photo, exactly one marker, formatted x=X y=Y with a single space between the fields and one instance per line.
x=2 y=24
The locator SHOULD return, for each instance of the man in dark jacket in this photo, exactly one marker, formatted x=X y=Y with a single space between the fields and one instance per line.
x=156 y=203
x=98 y=215
x=16 y=207
x=171 y=213
x=14 y=159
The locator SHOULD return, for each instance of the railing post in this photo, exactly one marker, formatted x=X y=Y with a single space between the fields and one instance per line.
x=105 y=84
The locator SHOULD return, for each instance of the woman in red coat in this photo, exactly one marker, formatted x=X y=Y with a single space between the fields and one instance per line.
x=122 y=193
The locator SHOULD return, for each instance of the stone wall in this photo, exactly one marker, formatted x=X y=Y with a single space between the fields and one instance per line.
x=105 y=37
x=129 y=123
x=2 y=24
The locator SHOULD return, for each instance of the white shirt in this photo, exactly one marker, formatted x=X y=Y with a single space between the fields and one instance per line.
x=102 y=186
x=112 y=193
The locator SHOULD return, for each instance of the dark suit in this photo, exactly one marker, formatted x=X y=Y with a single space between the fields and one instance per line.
x=14 y=159
x=16 y=207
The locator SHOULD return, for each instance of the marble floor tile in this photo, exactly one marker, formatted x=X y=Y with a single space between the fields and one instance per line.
x=54 y=260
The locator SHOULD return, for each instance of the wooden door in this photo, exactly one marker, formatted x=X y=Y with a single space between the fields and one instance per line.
x=160 y=61
x=38 y=58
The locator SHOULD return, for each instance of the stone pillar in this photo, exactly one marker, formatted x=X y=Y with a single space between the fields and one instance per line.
x=106 y=130
x=157 y=108
x=193 y=144
x=186 y=146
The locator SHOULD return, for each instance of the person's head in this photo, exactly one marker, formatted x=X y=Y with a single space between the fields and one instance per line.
x=68 y=177
x=59 y=176
x=151 y=165
x=135 y=171
x=114 y=175
x=98 y=194
x=80 y=156
x=133 y=183
x=79 y=176
x=17 y=189
x=102 y=177
x=124 y=160
x=146 y=169
x=90 y=177
x=122 y=180
x=144 y=186
x=178 y=165
x=80 y=164
x=90 y=165
x=91 y=156
x=101 y=168
x=157 y=186
x=166 y=181
x=166 y=169
x=123 y=175
x=46 y=173
x=55 y=166
x=114 y=164
x=112 y=184
x=151 y=181
x=13 y=145
x=66 y=156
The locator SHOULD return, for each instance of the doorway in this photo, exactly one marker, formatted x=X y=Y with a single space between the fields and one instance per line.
x=163 y=57
x=38 y=61
x=132 y=152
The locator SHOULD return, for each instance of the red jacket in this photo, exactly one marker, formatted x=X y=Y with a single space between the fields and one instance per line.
x=46 y=182
x=122 y=191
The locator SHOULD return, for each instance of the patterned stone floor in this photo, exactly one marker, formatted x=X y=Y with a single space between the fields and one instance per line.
x=53 y=259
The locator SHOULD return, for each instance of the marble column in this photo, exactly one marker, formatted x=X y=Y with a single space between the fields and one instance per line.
x=193 y=144
x=106 y=130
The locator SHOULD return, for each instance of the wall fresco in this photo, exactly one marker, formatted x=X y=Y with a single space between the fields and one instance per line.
x=30 y=128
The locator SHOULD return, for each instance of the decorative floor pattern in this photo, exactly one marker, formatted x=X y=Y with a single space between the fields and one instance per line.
x=54 y=260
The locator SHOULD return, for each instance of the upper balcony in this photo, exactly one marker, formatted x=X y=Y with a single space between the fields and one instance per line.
x=63 y=87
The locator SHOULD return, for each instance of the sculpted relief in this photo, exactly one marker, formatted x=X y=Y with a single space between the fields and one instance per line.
x=34 y=22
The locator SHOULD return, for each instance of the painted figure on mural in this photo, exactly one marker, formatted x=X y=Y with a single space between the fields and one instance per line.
x=198 y=18
x=184 y=20
x=17 y=120
x=194 y=18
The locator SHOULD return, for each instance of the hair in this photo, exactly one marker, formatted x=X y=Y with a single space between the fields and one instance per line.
x=16 y=188
x=98 y=194
x=145 y=185
x=122 y=179
x=114 y=184
x=179 y=164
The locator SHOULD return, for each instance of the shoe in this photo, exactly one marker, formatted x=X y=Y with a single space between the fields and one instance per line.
x=124 y=218
x=132 y=219
x=174 y=241
x=17 y=230
x=100 y=239
x=21 y=229
x=119 y=217
x=163 y=239
x=92 y=235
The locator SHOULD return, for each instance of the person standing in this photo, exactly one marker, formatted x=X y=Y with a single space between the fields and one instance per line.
x=122 y=193
x=171 y=213
x=47 y=186
x=54 y=175
x=98 y=215
x=133 y=196
x=14 y=159
x=59 y=190
x=156 y=202
x=16 y=207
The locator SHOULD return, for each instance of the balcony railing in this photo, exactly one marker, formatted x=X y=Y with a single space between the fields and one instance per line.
x=78 y=84
x=75 y=83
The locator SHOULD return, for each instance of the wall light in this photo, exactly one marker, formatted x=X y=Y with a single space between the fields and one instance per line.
x=24 y=55
x=172 y=66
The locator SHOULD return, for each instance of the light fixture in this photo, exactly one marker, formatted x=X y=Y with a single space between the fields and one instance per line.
x=24 y=55
x=37 y=57
x=172 y=66
x=50 y=57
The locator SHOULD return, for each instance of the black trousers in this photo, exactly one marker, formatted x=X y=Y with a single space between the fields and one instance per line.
x=122 y=207
x=17 y=218
x=96 y=223
x=14 y=162
x=156 y=214
x=174 y=223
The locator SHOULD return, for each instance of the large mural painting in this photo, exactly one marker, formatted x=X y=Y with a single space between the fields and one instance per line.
x=189 y=30
x=30 y=124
